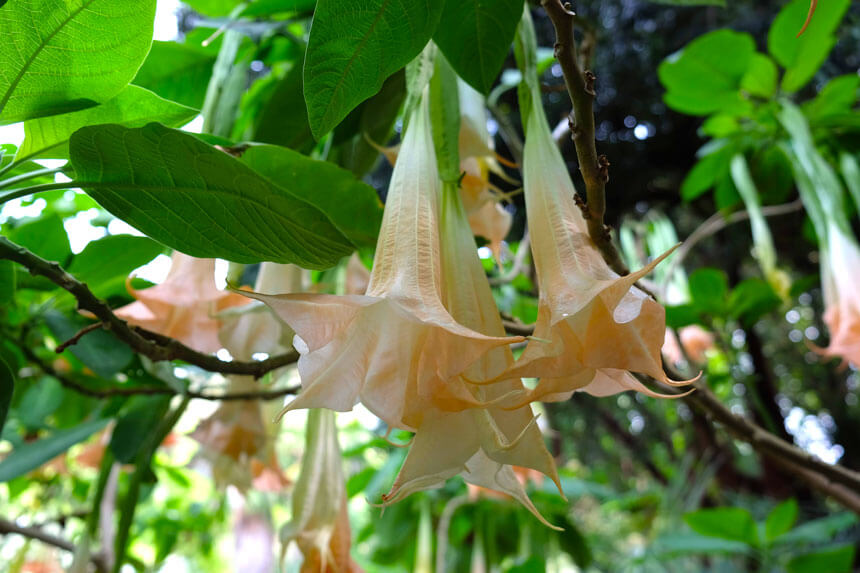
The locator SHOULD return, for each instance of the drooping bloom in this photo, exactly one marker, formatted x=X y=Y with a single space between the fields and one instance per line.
x=840 y=266
x=480 y=444
x=184 y=305
x=487 y=217
x=320 y=523
x=396 y=349
x=594 y=327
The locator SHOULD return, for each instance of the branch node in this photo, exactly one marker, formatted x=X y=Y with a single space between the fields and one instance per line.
x=590 y=78
x=603 y=167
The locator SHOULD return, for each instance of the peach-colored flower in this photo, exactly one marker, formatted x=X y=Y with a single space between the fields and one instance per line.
x=396 y=349
x=481 y=444
x=320 y=522
x=695 y=341
x=840 y=263
x=184 y=305
x=594 y=327
x=236 y=443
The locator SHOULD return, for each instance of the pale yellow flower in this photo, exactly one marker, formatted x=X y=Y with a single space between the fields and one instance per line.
x=396 y=349
x=184 y=305
x=594 y=327
x=320 y=523
x=481 y=444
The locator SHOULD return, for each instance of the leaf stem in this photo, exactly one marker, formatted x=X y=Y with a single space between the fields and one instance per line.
x=23 y=192
x=29 y=175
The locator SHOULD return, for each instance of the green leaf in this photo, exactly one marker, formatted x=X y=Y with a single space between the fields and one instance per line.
x=574 y=543
x=134 y=427
x=752 y=299
x=705 y=76
x=721 y=3
x=40 y=401
x=65 y=55
x=780 y=520
x=801 y=57
x=283 y=120
x=837 y=97
x=732 y=523
x=160 y=179
x=99 y=350
x=761 y=77
x=33 y=454
x=8 y=281
x=836 y=560
x=476 y=36
x=709 y=289
x=680 y=544
x=48 y=137
x=354 y=47
x=177 y=72
x=819 y=530
x=259 y=8
x=45 y=236
x=681 y=315
x=105 y=264
x=7 y=388
x=707 y=172
x=352 y=205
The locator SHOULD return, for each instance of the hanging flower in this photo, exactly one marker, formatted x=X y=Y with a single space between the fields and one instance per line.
x=482 y=444
x=396 y=349
x=320 y=522
x=594 y=327
x=184 y=305
x=840 y=261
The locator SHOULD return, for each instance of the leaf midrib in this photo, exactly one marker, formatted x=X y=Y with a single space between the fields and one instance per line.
x=35 y=54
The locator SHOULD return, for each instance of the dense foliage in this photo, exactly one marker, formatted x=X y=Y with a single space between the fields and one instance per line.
x=140 y=408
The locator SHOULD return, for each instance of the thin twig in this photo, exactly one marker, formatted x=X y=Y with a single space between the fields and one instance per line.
x=80 y=334
x=717 y=222
x=594 y=167
x=156 y=347
x=7 y=527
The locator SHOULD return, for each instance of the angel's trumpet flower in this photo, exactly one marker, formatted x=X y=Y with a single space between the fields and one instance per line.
x=320 y=523
x=480 y=444
x=396 y=349
x=594 y=327
x=840 y=266
x=184 y=305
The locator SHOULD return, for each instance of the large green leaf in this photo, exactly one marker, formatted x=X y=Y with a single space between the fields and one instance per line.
x=45 y=236
x=199 y=200
x=33 y=454
x=801 y=57
x=706 y=75
x=99 y=350
x=476 y=36
x=732 y=523
x=780 y=519
x=354 y=46
x=48 y=137
x=59 y=56
x=353 y=206
x=136 y=425
x=833 y=560
x=177 y=72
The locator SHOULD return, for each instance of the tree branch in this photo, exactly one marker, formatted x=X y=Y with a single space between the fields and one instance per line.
x=76 y=386
x=156 y=347
x=7 y=527
x=594 y=167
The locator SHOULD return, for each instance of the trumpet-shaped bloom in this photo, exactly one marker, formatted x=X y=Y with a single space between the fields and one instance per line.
x=480 y=444
x=184 y=305
x=320 y=523
x=396 y=349
x=593 y=326
x=237 y=444
x=840 y=266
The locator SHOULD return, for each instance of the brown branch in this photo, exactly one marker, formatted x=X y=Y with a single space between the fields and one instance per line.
x=594 y=167
x=7 y=527
x=80 y=334
x=156 y=347
x=151 y=390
